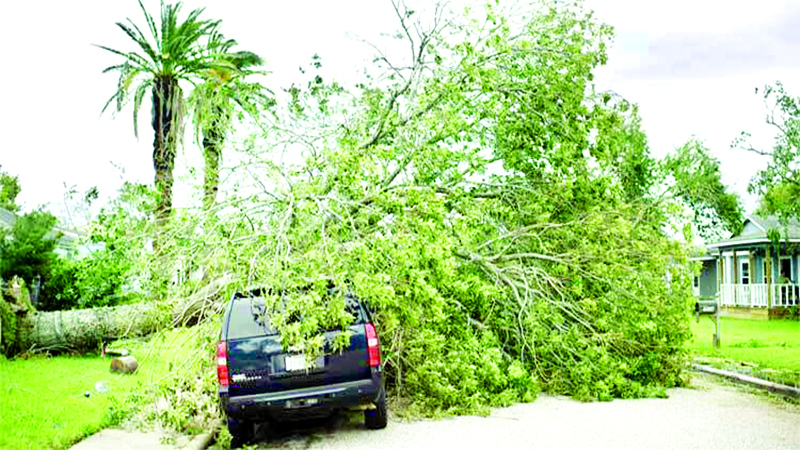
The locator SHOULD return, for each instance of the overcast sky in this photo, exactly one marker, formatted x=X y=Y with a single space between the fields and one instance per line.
x=691 y=65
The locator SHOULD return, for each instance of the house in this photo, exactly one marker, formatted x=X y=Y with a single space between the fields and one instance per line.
x=750 y=270
x=7 y=219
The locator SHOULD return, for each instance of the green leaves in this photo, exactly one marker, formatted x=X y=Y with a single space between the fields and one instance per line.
x=779 y=182
x=9 y=190
x=27 y=250
x=497 y=215
x=174 y=53
x=698 y=182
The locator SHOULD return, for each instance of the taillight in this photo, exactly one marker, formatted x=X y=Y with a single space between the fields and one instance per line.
x=373 y=346
x=222 y=364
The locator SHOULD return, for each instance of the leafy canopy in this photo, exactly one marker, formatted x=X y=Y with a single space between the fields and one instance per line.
x=27 y=250
x=698 y=182
x=9 y=190
x=113 y=252
x=495 y=211
x=227 y=85
x=778 y=184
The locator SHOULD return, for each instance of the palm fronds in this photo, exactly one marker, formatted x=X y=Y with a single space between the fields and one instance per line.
x=175 y=50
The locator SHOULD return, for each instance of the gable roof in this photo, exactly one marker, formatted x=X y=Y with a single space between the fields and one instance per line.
x=755 y=231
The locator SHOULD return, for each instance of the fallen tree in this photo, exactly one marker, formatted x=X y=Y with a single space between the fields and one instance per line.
x=505 y=222
x=82 y=330
x=25 y=330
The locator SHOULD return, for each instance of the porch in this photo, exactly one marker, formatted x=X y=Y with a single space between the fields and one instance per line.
x=758 y=295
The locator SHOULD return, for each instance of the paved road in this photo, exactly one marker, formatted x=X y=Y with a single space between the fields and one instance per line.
x=707 y=417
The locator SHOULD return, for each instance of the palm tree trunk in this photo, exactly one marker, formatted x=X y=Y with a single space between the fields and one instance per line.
x=213 y=142
x=167 y=124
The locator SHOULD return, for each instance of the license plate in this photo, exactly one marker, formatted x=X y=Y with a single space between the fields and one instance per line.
x=301 y=403
x=295 y=362
x=298 y=362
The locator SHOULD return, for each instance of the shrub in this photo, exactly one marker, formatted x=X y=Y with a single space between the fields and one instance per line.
x=8 y=328
x=93 y=281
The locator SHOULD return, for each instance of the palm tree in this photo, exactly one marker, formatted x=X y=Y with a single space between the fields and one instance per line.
x=214 y=102
x=174 y=53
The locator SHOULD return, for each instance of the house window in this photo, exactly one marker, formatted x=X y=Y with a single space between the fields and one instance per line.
x=745 y=272
x=764 y=273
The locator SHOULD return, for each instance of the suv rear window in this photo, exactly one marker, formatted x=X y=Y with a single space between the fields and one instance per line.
x=248 y=318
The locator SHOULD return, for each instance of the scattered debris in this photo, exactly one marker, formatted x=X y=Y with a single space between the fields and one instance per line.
x=100 y=387
x=124 y=364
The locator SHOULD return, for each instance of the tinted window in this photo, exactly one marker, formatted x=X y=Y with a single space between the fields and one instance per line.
x=248 y=317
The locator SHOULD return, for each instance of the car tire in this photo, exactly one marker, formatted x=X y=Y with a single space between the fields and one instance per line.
x=241 y=432
x=376 y=419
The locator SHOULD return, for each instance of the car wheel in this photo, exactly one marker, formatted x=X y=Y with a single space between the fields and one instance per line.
x=376 y=419
x=241 y=432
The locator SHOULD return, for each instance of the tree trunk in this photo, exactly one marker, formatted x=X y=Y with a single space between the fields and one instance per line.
x=124 y=364
x=167 y=125
x=82 y=330
x=213 y=142
x=212 y=151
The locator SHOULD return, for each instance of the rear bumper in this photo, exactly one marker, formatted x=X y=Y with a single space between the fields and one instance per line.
x=306 y=402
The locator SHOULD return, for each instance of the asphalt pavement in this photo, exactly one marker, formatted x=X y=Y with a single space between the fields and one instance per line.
x=712 y=415
x=708 y=416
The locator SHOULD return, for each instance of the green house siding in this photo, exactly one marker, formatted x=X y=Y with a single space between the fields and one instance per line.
x=708 y=279
x=757 y=272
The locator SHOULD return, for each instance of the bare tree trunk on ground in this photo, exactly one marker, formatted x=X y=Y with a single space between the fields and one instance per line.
x=83 y=329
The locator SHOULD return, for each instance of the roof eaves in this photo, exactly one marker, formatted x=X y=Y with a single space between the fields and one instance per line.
x=755 y=240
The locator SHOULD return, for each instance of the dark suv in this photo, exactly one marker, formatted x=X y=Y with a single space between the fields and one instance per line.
x=260 y=382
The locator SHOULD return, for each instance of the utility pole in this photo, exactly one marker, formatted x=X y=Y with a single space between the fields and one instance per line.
x=720 y=272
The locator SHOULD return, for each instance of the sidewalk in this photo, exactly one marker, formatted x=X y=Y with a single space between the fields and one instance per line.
x=746 y=379
x=116 y=439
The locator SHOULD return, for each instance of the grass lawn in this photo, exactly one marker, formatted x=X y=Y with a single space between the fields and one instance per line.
x=42 y=401
x=773 y=344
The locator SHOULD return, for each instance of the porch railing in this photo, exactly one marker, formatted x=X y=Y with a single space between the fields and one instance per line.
x=755 y=295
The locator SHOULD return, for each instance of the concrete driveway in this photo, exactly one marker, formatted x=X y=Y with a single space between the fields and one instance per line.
x=709 y=416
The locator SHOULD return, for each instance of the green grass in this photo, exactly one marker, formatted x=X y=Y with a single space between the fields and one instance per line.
x=42 y=401
x=772 y=345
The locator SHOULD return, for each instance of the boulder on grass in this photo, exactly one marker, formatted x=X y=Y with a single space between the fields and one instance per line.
x=124 y=364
